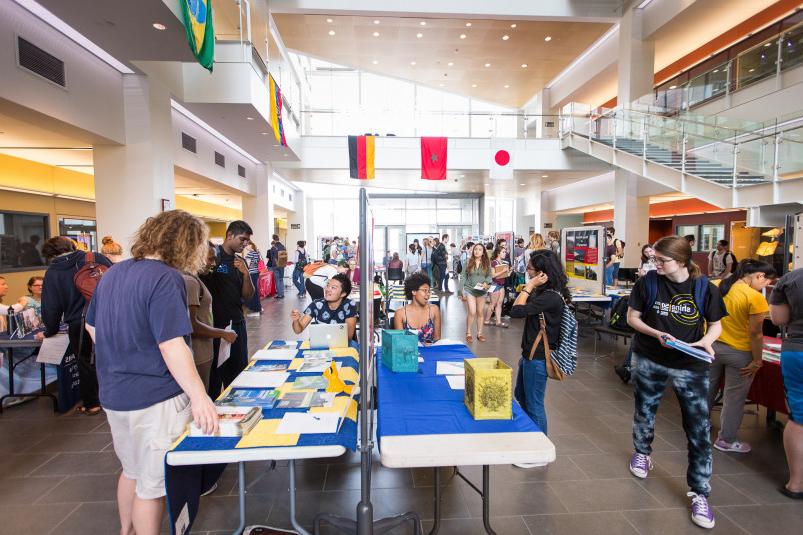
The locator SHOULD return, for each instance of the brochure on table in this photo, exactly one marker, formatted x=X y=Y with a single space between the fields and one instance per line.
x=582 y=256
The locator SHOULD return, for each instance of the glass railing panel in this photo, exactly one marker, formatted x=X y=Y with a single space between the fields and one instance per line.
x=757 y=157
x=792 y=48
x=756 y=63
x=790 y=154
x=704 y=153
x=706 y=86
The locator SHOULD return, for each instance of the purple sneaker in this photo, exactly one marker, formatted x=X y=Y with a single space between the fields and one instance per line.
x=733 y=447
x=640 y=465
x=701 y=513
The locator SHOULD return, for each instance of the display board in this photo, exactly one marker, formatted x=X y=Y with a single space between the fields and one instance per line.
x=582 y=256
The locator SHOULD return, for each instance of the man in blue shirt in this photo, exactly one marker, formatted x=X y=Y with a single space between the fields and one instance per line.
x=149 y=386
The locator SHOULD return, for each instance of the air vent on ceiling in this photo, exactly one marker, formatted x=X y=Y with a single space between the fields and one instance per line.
x=39 y=62
x=334 y=69
x=241 y=171
x=220 y=159
x=188 y=142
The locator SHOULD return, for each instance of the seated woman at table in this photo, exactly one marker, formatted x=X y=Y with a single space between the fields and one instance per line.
x=740 y=347
x=335 y=307
x=786 y=308
x=419 y=315
x=545 y=293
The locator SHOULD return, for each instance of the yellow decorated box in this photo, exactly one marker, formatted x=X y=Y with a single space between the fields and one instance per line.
x=489 y=389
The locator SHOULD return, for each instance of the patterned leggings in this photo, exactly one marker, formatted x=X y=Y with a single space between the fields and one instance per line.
x=691 y=388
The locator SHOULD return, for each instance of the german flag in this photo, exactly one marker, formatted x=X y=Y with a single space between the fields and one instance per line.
x=361 y=157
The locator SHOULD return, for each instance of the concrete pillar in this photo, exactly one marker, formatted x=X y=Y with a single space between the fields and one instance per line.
x=258 y=208
x=545 y=126
x=631 y=216
x=134 y=181
x=636 y=59
x=298 y=217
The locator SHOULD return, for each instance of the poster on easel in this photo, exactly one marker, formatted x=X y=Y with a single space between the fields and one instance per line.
x=582 y=257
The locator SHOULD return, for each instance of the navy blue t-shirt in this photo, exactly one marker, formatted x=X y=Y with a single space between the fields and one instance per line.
x=138 y=305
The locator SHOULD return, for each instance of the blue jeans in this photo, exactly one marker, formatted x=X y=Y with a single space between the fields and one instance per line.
x=427 y=268
x=609 y=274
x=278 y=278
x=298 y=281
x=531 y=389
x=255 y=303
x=691 y=388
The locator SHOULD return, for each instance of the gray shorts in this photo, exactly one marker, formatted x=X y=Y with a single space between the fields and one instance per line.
x=141 y=439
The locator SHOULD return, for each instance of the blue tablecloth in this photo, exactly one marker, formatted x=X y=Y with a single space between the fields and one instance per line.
x=423 y=403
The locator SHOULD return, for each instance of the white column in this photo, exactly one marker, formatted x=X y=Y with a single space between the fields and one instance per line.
x=132 y=179
x=636 y=59
x=258 y=208
x=297 y=217
x=631 y=216
x=542 y=108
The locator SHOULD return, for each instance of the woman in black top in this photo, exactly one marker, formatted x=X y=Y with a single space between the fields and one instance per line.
x=545 y=293
x=675 y=304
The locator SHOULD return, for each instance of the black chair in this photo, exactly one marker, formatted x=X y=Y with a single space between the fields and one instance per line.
x=396 y=274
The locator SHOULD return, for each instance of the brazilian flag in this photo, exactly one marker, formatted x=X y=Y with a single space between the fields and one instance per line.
x=200 y=33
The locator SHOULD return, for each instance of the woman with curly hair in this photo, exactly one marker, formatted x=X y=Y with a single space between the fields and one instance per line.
x=420 y=315
x=474 y=284
x=149 y=385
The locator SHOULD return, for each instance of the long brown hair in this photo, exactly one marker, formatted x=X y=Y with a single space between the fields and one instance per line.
x=177 y=237
x=677 y=248
x=485 y=264
x=536 y=242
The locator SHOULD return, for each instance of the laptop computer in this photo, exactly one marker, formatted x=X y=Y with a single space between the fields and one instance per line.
x=328 y=336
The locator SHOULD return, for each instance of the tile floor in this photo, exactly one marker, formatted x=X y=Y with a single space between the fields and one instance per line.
x=58 y=473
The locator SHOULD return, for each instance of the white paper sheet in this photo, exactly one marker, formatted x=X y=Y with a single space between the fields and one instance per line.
x=224 y=352
x=53 y=349
x=305 y=422
x=248 y=379
x=275 y=354
x=450 y=368
x=456 y=382
x=318 y=367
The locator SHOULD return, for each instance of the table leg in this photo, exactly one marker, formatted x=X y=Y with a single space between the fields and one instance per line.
x=437 y=513
x=486 y=500
x=241 y=473
x=293 y=520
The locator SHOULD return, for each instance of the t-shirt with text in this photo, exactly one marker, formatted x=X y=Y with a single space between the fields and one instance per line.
x=674 y=313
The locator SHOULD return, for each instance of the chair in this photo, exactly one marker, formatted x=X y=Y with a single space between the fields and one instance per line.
x=396 y=274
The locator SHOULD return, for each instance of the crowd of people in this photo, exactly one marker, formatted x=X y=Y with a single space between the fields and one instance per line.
x=180 y=297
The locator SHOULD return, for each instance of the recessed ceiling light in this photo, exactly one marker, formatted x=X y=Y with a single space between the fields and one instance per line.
x=487 y=64
x=376 y=34
x=264 y=133
x=505 y=37
x=462 y=36
x=423 y=23
x=751 y=70
x=419 y=35
x=487 y=184
x=375 y=62
x=329 y=21
x=440 y=85
x=523 y=65
x=716 y=70
x=468 y=25
x=250 y=118
x=768 y=44
x=275 y=144
x=450 y=63
x=507 y=86
x=513 y=25
x=544 y=176
x=473 y=85
x=462 y=176
x=548 y=38
x=376 y=21
x=331 y=32
x=673 y=87
x=522 y=184
x=159 y=26
x=412 y=63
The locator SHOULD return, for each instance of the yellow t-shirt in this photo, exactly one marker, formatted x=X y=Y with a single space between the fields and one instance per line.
x=742 y=301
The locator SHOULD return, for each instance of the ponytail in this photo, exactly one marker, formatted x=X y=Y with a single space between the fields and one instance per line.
x=694 y=270
x=746 y=267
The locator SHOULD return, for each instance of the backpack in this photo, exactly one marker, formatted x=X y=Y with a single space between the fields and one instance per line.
x=562 y=361
x=458 y=268
x=302 y=260
x=281 y=258
x=651 y=290
x=619 y=316
x=326 y=253
x=86 y=279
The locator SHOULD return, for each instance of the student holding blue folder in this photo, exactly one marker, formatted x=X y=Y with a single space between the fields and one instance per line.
x=675 y=302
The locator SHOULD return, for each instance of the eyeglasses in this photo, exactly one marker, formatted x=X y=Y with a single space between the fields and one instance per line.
x=424 y=290
x=661 y=261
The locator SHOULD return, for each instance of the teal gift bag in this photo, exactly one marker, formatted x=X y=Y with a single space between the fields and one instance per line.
x=400 y=351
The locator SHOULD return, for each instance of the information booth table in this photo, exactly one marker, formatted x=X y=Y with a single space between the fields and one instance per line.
x=424 y=423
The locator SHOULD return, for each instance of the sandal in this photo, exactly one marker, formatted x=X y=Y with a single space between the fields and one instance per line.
x=480 y=337
x=92 y=411
x=468 y=338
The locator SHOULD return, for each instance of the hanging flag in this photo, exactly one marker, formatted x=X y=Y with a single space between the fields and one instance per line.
x=276 y=111
x=361 y=157
x=200 y=33
x=433 y=158
x=502 y=158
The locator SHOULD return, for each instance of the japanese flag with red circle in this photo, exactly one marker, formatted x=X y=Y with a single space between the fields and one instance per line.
x=502 y=151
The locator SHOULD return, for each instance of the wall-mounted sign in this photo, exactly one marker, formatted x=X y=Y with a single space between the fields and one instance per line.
x=167 y=204
x=295 y=226
x=547 y=225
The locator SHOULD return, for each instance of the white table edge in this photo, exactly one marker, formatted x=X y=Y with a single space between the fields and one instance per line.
x=185 y=458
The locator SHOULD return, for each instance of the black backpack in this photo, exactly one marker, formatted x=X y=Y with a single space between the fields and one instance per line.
x=619 y=315
x=302 y=260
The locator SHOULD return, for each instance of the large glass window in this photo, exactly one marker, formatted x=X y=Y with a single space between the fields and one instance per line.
x=21 y=238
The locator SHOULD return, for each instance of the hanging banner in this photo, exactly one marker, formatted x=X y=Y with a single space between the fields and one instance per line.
x=200 y=33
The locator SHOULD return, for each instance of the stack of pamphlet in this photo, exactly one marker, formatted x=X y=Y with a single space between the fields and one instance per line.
x=232 y=422
x=248 y=398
